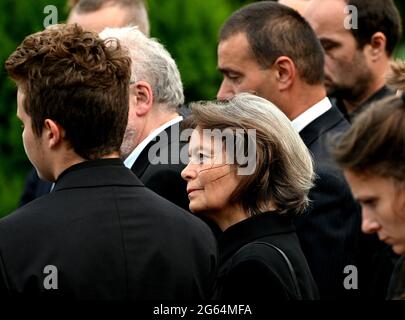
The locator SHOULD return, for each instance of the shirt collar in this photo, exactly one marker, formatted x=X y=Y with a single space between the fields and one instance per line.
x=305 y=118
x=130 y=160
x=100 y=172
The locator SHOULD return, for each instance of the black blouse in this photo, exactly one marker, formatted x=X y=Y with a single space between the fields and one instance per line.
x=396 y=290
x=250 y=270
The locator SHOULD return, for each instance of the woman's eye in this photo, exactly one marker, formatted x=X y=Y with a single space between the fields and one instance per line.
x=202 y=158
x=369 y=203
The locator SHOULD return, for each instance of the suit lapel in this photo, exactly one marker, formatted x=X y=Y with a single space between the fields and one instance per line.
x=142 y=162
x=319 y=126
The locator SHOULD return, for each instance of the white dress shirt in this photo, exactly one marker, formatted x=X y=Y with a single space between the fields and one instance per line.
x=129 y=162
x=305 y=118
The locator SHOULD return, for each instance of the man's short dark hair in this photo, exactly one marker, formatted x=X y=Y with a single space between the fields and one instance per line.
x=76 y=79
x=274 y=30
x=377 y=16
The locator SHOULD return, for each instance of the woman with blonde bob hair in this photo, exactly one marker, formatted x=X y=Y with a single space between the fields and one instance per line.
x=250 y=180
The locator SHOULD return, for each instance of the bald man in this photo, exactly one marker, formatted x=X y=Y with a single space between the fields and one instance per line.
x=96 y=15
x=298 y=5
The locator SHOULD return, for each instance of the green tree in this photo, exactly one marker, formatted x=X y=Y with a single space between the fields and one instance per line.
x=17 y=20
x=189 y=30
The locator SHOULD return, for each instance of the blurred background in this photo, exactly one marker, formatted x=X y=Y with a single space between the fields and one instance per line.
x=188 y=28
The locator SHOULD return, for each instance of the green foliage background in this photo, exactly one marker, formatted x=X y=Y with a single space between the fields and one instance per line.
x=188 y=28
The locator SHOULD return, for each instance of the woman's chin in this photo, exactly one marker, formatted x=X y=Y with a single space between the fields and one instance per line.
x=195 y=207
x=399 y=249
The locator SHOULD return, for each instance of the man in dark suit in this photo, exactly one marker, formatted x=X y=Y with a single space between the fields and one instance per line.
x=152 y=145
x=270 y=50
x=100 y=234
x=359 y=38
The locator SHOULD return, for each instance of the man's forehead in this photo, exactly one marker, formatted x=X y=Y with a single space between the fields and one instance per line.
x=106 y=16
x=298 y=5
x=235 y=41
x=327 y=15
x=234 y=48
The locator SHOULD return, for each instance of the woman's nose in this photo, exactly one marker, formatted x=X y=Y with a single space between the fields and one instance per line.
x=189 y=172
x=368 y=224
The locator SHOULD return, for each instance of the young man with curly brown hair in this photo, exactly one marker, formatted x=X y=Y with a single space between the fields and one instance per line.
x=100 y=234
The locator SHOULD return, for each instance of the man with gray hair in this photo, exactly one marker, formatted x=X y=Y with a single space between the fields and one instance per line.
x=152 y=146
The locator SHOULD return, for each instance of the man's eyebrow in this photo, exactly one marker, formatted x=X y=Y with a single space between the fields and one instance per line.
x=366 y=198
x=223 y=70
x=328 y=41
x=227 y=70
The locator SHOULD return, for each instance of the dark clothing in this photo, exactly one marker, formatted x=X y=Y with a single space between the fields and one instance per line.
x=379 y=95
x=376 y=264
x=396 y=289
x=256 y=272
x=184 y=111
x=164 y=177
x=34 y=188
x=329 y=230
x=109 y=238
x=375 y=259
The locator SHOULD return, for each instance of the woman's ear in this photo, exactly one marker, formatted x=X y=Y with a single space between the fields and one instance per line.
x=285 y=71
x=53 y=133
x=142 y=92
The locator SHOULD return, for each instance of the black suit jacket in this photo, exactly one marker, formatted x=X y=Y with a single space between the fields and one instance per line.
x=329 y=231
x=109 y=238
x=250 y=271
x=396 y=289
x=164 y=178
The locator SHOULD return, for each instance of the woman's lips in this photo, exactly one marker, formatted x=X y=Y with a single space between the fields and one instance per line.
x=191 y=190
x=387 y=240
